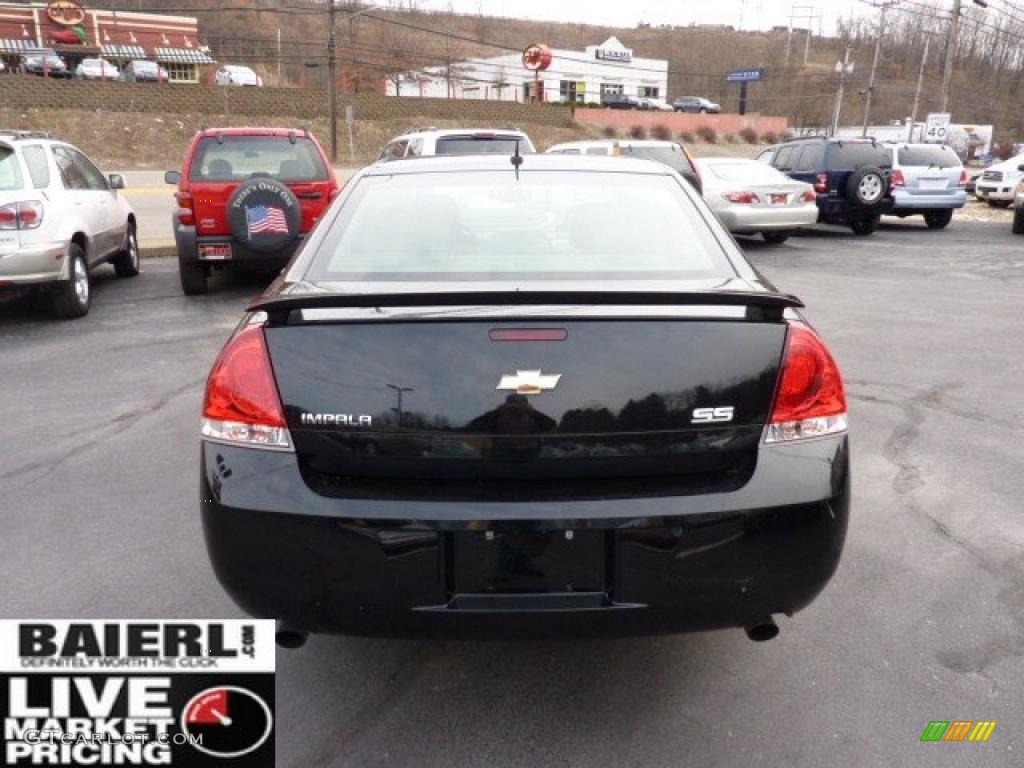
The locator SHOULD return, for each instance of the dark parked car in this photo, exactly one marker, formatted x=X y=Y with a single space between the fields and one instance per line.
x=45 y=65
x=555 y=398
x=696 y=104
x=620 y=101
x=850 y=177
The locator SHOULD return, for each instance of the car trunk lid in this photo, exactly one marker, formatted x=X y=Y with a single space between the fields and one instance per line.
x=505 y=408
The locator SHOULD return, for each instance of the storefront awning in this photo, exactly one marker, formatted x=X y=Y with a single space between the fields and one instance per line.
x=183 y=56
x=17 y=45
x=114 y=51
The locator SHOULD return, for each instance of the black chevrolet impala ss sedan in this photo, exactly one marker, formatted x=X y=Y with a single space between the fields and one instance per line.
x=523 y=395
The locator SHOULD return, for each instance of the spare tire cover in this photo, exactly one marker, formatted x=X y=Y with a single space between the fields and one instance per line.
x=264 y=215
x=867 y=186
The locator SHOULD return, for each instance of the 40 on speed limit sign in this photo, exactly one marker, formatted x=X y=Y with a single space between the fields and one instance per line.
x=936 y=127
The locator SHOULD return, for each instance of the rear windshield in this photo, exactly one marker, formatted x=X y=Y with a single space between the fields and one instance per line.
x=547 y=225
x=933 y=157
x=848 y=156
x=472 y=145
x=672 y=156
x=753 y=172
x=240 y=157
x=10 y=173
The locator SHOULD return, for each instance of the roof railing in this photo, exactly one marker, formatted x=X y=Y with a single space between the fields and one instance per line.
x=16 y=134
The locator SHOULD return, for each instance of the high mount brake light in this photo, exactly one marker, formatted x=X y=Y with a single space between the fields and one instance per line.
x=810 y=400
x=242 y=405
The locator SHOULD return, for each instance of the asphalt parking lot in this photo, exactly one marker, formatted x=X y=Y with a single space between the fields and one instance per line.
x=924 y=620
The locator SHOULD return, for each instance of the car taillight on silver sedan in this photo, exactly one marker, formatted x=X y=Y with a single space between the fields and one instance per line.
x=27 y=215
x=810 y=400
x=242 y=404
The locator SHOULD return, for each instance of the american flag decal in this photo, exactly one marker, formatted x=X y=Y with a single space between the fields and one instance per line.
x=266 y=218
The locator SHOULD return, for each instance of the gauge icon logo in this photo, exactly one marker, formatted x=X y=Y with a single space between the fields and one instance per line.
x=227 y=721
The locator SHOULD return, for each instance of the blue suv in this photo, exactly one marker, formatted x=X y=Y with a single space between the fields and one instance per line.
x=850 y=177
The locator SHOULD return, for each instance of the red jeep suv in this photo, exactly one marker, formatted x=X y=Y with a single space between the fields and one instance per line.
x=247 y=196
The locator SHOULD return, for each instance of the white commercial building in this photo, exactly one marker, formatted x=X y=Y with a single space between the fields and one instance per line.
x=573 y=76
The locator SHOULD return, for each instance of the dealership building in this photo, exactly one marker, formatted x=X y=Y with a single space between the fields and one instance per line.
x=75 y=32
x=573 y=76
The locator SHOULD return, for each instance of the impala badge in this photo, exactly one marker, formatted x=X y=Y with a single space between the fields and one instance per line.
x=529 y=382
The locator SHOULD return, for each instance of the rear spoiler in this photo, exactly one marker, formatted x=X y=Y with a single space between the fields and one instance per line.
x=761 y=306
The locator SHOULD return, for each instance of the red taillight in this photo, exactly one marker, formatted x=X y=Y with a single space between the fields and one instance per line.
x=28 y=215
x=186 y=210
x=242 y=404
x=809 y=401
x=964 y=178
x=821 y=183
x=744 y=198
x=896 y=179
x=809 y=197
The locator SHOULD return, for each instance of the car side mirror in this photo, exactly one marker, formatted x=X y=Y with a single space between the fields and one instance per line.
x=116 y=181
x=172 y=177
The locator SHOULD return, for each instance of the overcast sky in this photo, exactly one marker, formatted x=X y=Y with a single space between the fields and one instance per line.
x=756 y=14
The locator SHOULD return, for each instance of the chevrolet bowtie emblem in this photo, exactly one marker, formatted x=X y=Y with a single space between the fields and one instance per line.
x=529 y=382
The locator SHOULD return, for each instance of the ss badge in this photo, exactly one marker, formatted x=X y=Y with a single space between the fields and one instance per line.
x=712 y=415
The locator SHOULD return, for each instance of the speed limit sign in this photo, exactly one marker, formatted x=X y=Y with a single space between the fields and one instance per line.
x=936 y=127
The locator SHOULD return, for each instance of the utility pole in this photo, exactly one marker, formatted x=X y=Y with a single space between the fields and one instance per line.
x=874 y=68
x=951 y=43
x=399 y=391
x=332 y=83
x=917 y=90
x=844 y=68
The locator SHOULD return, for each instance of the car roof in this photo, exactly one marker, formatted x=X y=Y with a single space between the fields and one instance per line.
x=457 y=132
x=252 y=131
x=532 y=162
x=727 y=160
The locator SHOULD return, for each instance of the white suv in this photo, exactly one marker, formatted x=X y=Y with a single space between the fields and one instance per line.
x=59 y=218
x=998 y=183
x=423 y=142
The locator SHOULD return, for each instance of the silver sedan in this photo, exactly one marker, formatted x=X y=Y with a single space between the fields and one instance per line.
x=749 y=197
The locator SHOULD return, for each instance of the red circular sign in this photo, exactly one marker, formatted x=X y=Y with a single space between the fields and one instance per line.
x=537 y=57
x=65 y=12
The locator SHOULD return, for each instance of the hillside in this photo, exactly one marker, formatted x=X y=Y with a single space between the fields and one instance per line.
x=987 y=83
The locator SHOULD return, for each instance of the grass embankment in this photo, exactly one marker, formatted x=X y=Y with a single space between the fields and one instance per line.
x=146 y=141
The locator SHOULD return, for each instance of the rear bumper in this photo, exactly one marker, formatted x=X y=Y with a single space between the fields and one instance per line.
x=1000 y=191
x=841 y=210
x=739 y=220
x=188 y=244
x=928 y=200
x=665 y=564
x=33 y=264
